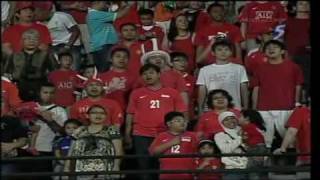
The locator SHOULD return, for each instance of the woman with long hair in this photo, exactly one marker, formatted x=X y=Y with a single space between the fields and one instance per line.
x=180 y=39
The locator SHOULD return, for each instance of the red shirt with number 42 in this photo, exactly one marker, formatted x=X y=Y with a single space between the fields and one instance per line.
x=188 y=145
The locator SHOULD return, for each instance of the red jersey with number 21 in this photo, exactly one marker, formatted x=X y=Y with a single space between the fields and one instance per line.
x=149 y=108
x=188 y=145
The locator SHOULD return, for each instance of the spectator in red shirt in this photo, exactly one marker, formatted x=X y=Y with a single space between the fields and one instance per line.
x=208 y=147
x=12 y=36
x=277 y=83
x=196 y=15
x=253 y=129
x=64 y=80
x=117 y=80
x=299 y=130
x=256 y=56
x=148 y=29
x=129 y=40
x=181 y=38
x=179 y=62
x=94 y=89
x=131 y=17
x=175 y=141
x=10 y=99
x=257 y=15
x=214 y=29
x=168 y=77
x=297 y=39
x=146 y=110
x=218 y=101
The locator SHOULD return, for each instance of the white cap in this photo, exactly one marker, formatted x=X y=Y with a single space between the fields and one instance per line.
x=223 y=115
x=150 y=54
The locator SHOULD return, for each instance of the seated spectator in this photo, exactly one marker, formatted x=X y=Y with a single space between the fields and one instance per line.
x=253 y=130
x=61 y=144
x=95 y=92
x=179 y=61
x=146 y=110
x=176 y=140
x=230 y=141
x=64 y=80
x=180 y=38
x=102 y=32
x=208 y=147
x=217 y=28
x=96 y=139
x=148 y=29
x=223 y=75
x=258 y=15
x=65 y=34
x=117 y=80
x=12 y=36
x=49 y=123
x=10 y=99
x=218 y=101
x=13 y=137
x=30 y=66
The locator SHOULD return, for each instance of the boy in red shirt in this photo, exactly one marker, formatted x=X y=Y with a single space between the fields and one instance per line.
x=12 y=35
x=117 y=80
x=64 y=80
x=94 y=89
x=175 y=141
x=148 y=29
x=277 y=83
x=146 y=110
x=208 y=147
x=179 y=62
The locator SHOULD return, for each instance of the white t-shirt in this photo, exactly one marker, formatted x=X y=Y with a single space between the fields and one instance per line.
x=58 y=26
x=46 y=135
x=226 y=76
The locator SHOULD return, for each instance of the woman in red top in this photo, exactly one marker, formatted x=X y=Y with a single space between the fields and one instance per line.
x=181 y=39
x=253 y=129
x=218 y=101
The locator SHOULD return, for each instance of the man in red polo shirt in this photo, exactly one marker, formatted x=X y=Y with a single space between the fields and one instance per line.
x=94 y=89
x=216 y=28
x=12 y=36
x=147 y=108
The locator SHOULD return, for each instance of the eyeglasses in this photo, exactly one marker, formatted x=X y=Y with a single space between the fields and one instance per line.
x=97 y=112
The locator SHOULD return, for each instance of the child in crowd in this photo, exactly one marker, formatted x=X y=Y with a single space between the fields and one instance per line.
x=64 y=80
x=208 y=147
x=61 y=144
x=87 y=71
x=253 y=129
x=175 y=141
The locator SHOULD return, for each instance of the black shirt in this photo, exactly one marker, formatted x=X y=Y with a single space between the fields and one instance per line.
x=11 y=128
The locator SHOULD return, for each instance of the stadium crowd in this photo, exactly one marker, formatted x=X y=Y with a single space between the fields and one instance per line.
x=89 y=78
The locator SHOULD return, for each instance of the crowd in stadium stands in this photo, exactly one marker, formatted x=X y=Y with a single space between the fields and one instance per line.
x=90 y=78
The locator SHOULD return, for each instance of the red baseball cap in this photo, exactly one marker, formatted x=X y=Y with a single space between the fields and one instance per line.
x=23 y=5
